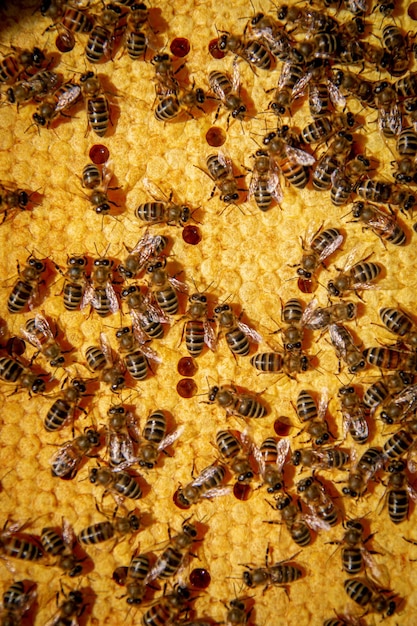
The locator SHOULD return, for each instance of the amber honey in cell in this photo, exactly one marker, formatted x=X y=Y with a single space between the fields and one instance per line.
x=187 y=366
x=99 y=154
x=186 y=388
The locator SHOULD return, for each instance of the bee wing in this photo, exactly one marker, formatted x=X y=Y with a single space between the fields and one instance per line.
x=236 y=76
x=299 y=156
x=216 y=492
x=156 y=570
x=283 y=447
x=323 y=403
x=68 y=97
x=250 y=332
x=391 y=119
x=274 y=185
x=253 y=185
x=154 y=190
x=106 y=348
x=178 y=284
x=132 y=426
x=205 y=475
x=150 y=354
x=225 y=160
x=381 y=222
x=315 y=522
x=42 y=324
x=301 y=84
x=170 y=438
x=337 y=340
x=380 y=573
x=336 y=96
x=311 y=315
x=88 y=296
x=412 y=459
x=106 y=174
x=259 y=458
x=328 y=250
x=209 y=335
x=31 y=338
x=68 y=534
x=111 y=295
x=412 y=493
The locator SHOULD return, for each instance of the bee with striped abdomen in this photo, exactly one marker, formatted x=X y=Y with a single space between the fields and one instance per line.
x=61 y=545
x=25 y=289
x=66 y=461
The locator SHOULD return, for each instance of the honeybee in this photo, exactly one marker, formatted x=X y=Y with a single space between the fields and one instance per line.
x=164 y=287
x=119 y=484
x=398 y=407
x=226 y=90
x=345 y=348
x=278 y=40
x=163 y=211
x=121 y=436
x=103 y=531
x=100 y=293
x=291 y=363
x=19 y=545
x=291 y=161
x=197 y=329
x=313 y=416
x=235 y=450
x=62 y=410
x=135 y=40
x=281 y=574
x=237 y=614
x=11 y=371
x=25 y=289
x=291 y=74
x=166 y=83
x=359 y=88
x=61 y=100
x=398 y=48
x=61 y=545
x=307 y=19
x=100 y=359
x=171 y=106
x=133 y=353
x=398 y=322
x=385 y=387
x=175 y=554
x=70 y=609
x=319 y=502
x=156 y=439
x=363 y=471
x=271 y=458
x=208 y=484
x=101 y=38
x=399 y=492
x=401 y=442
x=264 y=185
x=389 y=359
x=147 y=248
x=38 y=332
x=68 y=20
x=12 y=198
x=320 y=318
x=19 y=62
x=98 y=181
x=66 y=461
x=321 y=245
x=36 y=87
x=220 y=171
x=353 y=414
x=236 y=403
x=354 y=278
x=75 y=282
x=355 y=555
x=147 y=320
x=383 y=224
x=324 y=458
x=369 y=595
x=168 y=608
x=237 y=334
x=133 y=578
x=97 y=105
x=17 y=600
x=253 y=51
x=389 y=113
x=293 y=518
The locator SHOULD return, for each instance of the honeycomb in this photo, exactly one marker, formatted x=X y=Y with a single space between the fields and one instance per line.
x=245 y=257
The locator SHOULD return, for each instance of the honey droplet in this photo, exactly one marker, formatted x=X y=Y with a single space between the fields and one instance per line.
x=191 y=234
x=186 y=388
x=178 y=502
x=119 y=575
x=15 y=346
x=281 y=428
x=99 y=154
x=215 y=136
x=200 y=578
x=180 y=47
x=65 y=43
x=305 y=285
x=242 y=491
x=187 y=366
x=412 y=11
x=214 y=49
